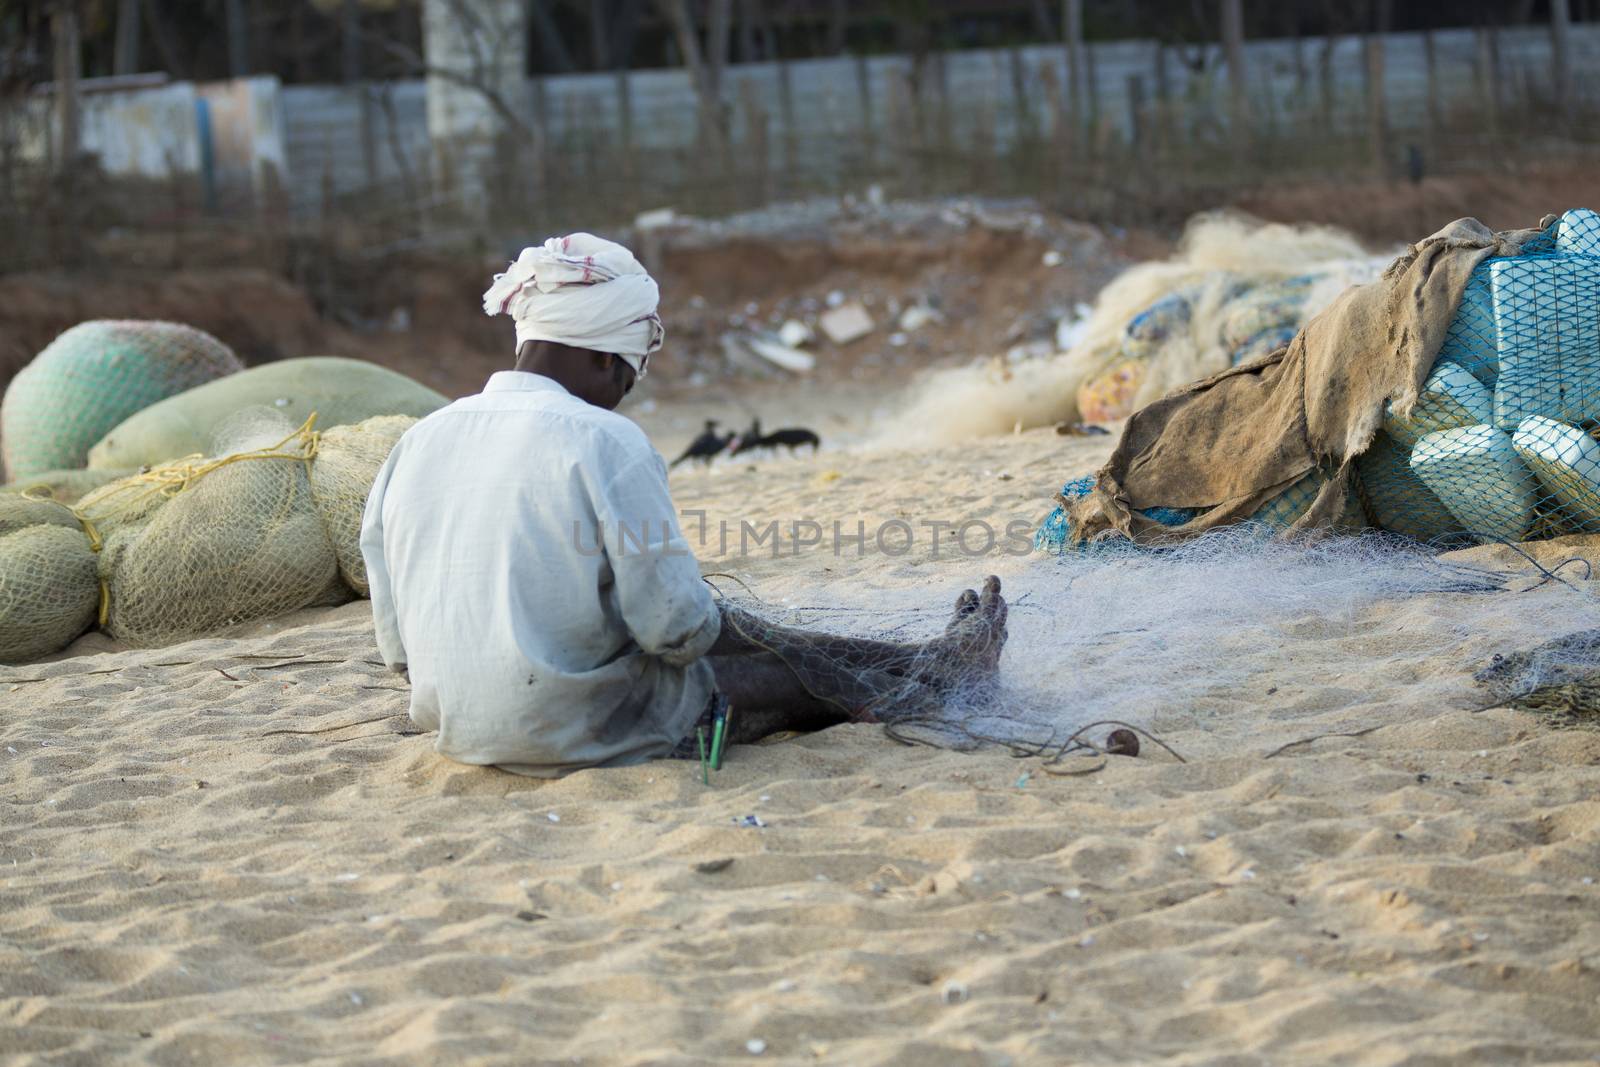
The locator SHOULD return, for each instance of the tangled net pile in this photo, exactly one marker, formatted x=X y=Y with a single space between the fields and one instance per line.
x=1235 y=289
x=1198 y=634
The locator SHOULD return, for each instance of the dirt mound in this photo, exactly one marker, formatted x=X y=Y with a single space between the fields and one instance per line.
x=261 y=316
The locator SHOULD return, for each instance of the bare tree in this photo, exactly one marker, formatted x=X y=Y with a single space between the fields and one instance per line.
x=125 y=59
x=1072 y=34
x=161 y=33
x=1238 y=77
x=68 y=66
x=705 y=79
x=1561 y=53
x=551 y=42
x=238 y=26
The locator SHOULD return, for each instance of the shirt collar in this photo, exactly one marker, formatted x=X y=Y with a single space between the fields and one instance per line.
x=518 y=381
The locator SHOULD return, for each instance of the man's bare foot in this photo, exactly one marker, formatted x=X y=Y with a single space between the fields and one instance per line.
x=968 y=652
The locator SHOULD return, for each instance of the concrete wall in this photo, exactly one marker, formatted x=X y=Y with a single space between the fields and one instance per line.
x=823 y=123
x=144 y=133
x=842 y=117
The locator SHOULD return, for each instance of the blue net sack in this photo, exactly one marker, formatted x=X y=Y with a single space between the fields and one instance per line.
x=1501 y=444
x=1273 y=517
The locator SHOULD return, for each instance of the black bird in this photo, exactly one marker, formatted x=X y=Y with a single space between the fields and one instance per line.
x=747 y=441
x=792 y=438
x=705 y=447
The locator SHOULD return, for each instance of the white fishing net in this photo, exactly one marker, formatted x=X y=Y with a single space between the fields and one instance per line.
x=1228 y=625
x=1235 y=288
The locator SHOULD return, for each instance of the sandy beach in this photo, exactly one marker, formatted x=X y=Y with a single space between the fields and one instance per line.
x=238 y=850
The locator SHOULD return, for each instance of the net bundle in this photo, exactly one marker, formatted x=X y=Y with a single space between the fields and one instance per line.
x=339 y=391
x=1160 y=325
x=264 y=528
x=348 y=458
x=1501 y=444
x=49 y=588
x=92 y=377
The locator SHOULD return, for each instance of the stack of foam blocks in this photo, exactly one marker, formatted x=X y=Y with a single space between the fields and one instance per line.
x=1498 y=446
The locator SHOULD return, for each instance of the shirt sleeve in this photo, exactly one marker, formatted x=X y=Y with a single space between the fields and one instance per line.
x=384 y=622
x=668 y=610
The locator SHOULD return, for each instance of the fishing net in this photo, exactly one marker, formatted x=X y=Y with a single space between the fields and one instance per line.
x=268 y=524
x=63 y=486
x=1500 y=445
x=91 y=378
x=348 y=458
x=203 y=543
x=1272 y=518
x=339 y=391
x=1235 y=289
x=49 y=589
x=1230 y=631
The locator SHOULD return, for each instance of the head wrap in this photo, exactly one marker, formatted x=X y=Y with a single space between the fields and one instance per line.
x=584 y=291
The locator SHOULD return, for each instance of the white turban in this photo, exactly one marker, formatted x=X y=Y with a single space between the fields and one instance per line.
x=584 y=291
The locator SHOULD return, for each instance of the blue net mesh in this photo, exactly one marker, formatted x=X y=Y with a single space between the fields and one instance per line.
x=1273 y=517
x=1055 y=535
x=1500 y=445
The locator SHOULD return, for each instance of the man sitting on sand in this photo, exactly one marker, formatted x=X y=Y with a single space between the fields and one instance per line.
x=529 y=574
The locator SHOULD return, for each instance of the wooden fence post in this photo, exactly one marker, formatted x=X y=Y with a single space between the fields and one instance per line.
x=869 y=125
x=1486 y=71
x=1561 y=57
x=756 y=141
x=791 y=141
x=1377 y=114
x=1072 y=33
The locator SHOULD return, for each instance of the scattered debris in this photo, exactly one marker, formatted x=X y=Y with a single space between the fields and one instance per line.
x=795 y=333
x=917 y=316
x=846 y=322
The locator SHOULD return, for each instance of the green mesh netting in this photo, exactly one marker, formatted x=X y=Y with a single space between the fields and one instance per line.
x=49 y=590
x=91 y=378
x=1501 y=444
x=348 y=458
x=339 y=391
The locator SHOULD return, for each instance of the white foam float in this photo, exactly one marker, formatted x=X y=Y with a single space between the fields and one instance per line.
x=1475 y=472
x=1579 y=233
x=1547 y=322
x=1450 y=397
x=1567 y=463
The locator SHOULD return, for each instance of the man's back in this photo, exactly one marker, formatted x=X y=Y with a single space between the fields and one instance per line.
x=529 y=643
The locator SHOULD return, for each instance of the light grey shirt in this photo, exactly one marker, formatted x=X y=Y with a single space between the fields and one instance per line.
x=528 y=571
